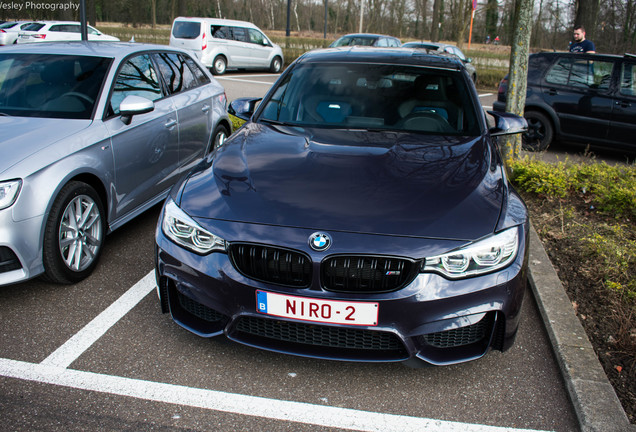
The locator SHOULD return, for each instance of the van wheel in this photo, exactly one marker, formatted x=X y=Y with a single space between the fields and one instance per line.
x=276 y=65
x=74 y=234
x=219 y=66
x=540 y=132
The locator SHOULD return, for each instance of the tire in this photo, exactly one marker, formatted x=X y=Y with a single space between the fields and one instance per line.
x=218 y=137
x=74 y=234
x=276 y=65
x=219 y=65
x=540 y=132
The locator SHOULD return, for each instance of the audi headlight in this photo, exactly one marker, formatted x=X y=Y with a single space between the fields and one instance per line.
x=9 y=192
x=484 y=256
x=184 y=231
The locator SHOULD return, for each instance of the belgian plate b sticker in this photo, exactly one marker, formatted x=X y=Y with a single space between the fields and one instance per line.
x=261 y=301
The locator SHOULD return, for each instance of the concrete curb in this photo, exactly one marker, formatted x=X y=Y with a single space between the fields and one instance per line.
x=596 y=405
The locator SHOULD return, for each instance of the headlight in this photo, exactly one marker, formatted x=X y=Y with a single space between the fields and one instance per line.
x=183 y=230
x=492 y=253
x=9 y=192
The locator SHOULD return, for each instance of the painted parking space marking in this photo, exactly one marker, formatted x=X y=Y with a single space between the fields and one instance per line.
x=246 y=79
x=81 y=341
x=299 y=412
x=54 y=370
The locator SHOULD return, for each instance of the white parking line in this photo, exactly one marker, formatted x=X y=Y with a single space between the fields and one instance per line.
x=244 y=80
x=54 y=370
x=81 y=341
x=342 y=418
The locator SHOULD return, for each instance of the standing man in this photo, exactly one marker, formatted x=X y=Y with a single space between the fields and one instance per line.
x=580 y=44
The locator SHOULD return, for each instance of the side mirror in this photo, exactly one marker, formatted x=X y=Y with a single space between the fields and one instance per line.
x=243 y=108
x=469 y=60
x=507 y=124
x=134 y=105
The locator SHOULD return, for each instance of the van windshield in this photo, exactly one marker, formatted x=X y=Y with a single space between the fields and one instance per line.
x=186 y=29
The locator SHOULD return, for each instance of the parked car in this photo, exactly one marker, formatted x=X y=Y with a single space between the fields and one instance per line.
x=93 y=134
x=55 y=31
x=9 y=31
x=227 y=44
x=577 y=97
x=366 y=39
x=448 y=48
x=362 y=213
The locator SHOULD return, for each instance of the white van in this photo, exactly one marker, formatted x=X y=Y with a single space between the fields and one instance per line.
x=227 y=44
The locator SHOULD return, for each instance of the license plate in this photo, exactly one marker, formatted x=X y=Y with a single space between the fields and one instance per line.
x=317 y=310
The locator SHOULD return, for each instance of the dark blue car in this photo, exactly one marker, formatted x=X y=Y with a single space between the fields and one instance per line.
x=362 y=213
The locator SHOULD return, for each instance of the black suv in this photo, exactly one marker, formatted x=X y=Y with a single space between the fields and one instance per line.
x=586 y=98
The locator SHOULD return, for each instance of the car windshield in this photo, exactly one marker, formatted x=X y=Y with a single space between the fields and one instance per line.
x=54 y=86
x=374 y=96
x=354 y=40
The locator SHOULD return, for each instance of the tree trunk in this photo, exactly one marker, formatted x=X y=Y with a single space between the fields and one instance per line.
x=492 y=17
x=587 y=16
x=518 y=75
x=435 y=24
x=91 y=12
x=153 y=13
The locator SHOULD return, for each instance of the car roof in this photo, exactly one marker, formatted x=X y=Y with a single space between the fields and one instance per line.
x=366 y=35
x=47 y=22
x=401 y=56
x=88 y=48
x=431 y=44
x=578 y=54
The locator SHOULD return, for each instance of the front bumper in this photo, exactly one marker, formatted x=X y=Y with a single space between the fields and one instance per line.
x=431 y=319
x=20 y=248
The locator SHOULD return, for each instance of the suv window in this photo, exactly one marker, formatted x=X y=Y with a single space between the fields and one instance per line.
x=628 y=79
x=581 y=73
x=65 y=28
x=186 y=29
x=136 y=77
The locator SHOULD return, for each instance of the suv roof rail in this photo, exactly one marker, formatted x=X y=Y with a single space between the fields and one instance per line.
x=630 y=55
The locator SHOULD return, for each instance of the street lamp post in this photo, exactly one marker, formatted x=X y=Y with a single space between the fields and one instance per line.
x=83 y=26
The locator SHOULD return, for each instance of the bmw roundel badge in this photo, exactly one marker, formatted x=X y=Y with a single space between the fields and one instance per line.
x=319 y=241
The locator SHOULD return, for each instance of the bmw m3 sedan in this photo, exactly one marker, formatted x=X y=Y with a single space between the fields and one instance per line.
x=362 y=213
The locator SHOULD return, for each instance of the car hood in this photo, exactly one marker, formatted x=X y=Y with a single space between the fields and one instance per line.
x=357 y=181
x=21 y=137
